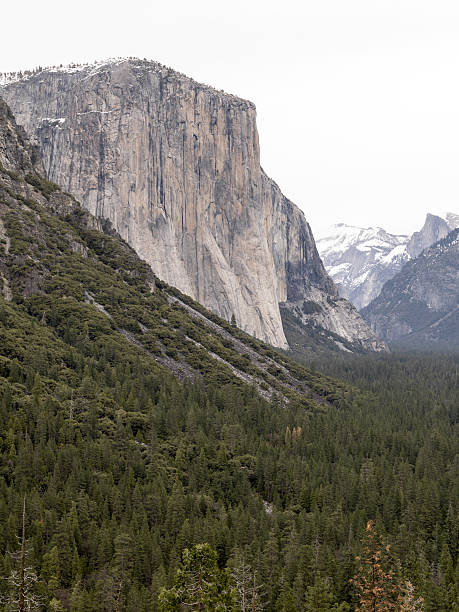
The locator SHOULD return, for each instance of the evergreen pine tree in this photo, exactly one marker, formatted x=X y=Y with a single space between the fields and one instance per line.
x=199 y=584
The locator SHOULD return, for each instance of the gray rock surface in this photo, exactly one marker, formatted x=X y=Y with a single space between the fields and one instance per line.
x=435 y=228
x=17 y=154
x=420 y=305
x=175 y=166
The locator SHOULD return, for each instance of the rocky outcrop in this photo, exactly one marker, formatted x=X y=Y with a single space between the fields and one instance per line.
x=304 y=287
x=175 y=166
x=17 y=154
x=420 y=305
x=435 y=228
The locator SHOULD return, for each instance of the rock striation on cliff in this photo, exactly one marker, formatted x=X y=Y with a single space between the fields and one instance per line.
x=175 y=166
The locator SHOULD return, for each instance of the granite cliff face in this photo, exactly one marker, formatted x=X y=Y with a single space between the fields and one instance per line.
x=175 y=166
x=420 y=305
x=452 y=220
x=60 y=268
x=435 y=228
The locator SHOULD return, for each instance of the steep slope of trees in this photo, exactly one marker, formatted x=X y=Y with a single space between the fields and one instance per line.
x=136 y=425
x=124 y=467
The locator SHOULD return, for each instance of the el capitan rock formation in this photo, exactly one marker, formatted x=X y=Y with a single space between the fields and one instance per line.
x=175 y=166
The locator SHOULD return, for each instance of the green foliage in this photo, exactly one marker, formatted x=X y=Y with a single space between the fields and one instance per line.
x=125 y=464
x=319 y=598
x=46 y=187
x=311 y=338
x=13 y=175
x=199 y=584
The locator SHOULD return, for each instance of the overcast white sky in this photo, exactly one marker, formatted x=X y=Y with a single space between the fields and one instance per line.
x=357 y=100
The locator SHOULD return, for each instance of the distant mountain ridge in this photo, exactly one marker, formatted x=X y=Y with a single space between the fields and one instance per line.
x=420 y=305
x=361 y=260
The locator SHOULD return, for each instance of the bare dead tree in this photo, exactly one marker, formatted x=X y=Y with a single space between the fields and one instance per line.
x=408 y=601
x=249 y=591
x=22 y=583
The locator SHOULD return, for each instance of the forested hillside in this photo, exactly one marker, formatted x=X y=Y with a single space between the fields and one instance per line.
x=135 y=425
x=124 y=467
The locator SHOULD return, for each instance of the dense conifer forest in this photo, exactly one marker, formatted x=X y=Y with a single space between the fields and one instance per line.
x=154 y=457
x=123 y=468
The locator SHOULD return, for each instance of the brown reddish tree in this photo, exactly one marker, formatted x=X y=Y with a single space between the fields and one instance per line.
x=375 y=583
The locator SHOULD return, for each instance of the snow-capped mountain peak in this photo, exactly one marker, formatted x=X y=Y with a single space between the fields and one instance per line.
x=361 y=259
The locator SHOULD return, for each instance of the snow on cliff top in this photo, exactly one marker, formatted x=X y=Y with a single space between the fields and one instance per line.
x=7 y=78
x=13 y=77
x=341 y=237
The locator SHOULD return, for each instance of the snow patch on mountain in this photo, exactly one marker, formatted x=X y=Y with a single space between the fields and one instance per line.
x=451 y=219
x=361 y=259
x=356 y=257
x=13 y=77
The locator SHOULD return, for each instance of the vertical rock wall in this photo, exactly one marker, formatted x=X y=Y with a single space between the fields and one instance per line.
x=175 y=166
